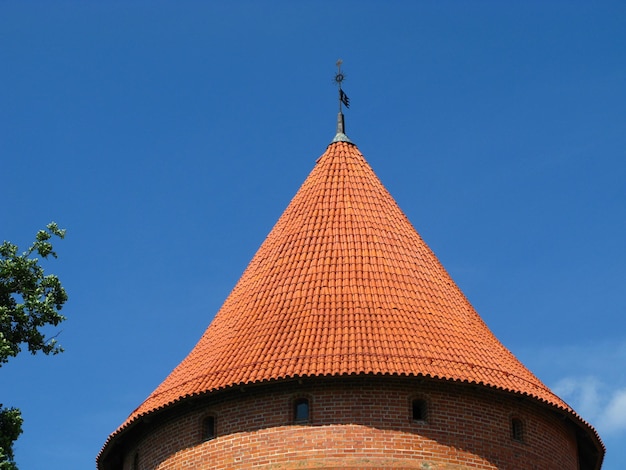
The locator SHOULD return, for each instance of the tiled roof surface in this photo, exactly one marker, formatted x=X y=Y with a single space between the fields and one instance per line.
x=344 y=284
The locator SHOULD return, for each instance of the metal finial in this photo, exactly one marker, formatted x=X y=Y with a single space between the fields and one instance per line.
x=343 y=99
x=339 y=78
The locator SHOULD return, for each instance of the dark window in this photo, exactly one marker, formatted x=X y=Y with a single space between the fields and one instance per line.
x=419 y=410
x=135 y=462
x=517 y=430
x=301 y=410
x=208 y=428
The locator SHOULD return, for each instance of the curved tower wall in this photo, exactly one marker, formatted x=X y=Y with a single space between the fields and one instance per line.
x=358 y=422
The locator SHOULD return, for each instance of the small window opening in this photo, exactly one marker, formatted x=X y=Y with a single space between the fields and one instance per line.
x=135 y=465
x=208 y=428
x=517 y=430
x=301 y=410
x=419 y=410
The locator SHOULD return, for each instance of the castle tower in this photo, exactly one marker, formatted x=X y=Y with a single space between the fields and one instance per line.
x=346 y=344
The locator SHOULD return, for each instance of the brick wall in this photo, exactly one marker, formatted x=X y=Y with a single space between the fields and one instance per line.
x=358 y=422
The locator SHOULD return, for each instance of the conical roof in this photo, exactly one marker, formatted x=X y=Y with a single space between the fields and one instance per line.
x=344 y=284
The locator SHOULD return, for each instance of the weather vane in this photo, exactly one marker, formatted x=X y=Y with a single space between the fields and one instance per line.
x=339 y=78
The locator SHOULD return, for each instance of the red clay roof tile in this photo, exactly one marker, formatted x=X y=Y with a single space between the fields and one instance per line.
x=343 y=284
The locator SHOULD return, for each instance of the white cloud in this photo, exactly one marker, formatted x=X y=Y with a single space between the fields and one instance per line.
x=613 y=418
x=603 y=405
x=584 y=394
x=589 y=377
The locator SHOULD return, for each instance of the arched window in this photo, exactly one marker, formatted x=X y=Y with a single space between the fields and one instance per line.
x=419 y=409
x=208 y=428
x=517 y=430
x=301 y=411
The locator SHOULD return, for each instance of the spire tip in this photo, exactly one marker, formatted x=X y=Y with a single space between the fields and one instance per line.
x=343 y=99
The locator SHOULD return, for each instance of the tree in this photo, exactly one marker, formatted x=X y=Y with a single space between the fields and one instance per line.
x=10 y=430
x=29 y=302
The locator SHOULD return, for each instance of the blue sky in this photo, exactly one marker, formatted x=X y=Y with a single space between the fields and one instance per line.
x=168 y=137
